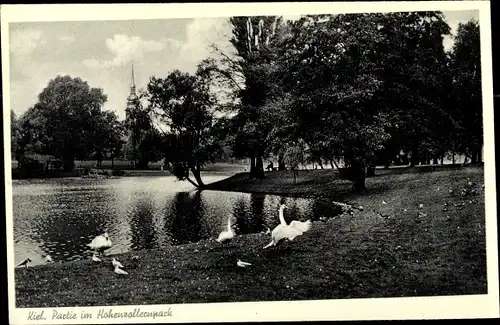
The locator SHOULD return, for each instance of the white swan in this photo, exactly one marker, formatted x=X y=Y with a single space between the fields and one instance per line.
x=240 y=263
x=25 y=262
x=282 y=231
x=120 y=271
x=228 y=234
x=116 y=263
x=101 y=242
x=96 y=259
x=48 y=259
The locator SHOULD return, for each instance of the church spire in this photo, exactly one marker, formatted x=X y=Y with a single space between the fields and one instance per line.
x=132 y=86
x=132 y=98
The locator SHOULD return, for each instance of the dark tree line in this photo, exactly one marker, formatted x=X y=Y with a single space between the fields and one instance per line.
x=354 y=88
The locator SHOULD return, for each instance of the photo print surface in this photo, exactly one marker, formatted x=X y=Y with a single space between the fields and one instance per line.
x=163 y=162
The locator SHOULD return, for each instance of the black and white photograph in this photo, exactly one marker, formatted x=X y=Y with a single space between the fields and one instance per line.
x=162 y=162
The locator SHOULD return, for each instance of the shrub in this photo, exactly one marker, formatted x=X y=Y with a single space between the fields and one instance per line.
x=118 y=172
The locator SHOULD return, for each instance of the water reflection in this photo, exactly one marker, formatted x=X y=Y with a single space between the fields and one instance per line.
x=59 y=217
x=143 y=232
x=183 y=220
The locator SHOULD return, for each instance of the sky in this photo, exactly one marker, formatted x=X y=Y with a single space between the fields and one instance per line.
x=101 y=52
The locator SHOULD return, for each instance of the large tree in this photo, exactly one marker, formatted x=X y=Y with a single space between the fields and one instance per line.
x=61 y=123
x=466 y=67
x=330 y=68
x=415 y=90
x=249 y=72
x=185 y=106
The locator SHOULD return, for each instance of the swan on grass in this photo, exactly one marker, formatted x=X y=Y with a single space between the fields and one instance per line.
x=120 y=271
x=240 y=263
x=228 y=234
x=25 y=262
x=101 y=243
x=96 y=259
x=283 y=230
x=115 y=263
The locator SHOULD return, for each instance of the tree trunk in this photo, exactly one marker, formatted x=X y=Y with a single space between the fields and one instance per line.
x=281 y=162
x=370 y=171
x=197 y=176
x=259 y=168
x=335 y=163
x=358 y=175
x=442 y=161
x=435 y=160
x=294 y=177
x=414 y=161
x=320 y=164
x=252 y=166
x=68 y=163
x=112 y=162
x=453 y=157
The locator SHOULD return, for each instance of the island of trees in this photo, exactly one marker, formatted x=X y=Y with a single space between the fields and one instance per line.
x=360 y=89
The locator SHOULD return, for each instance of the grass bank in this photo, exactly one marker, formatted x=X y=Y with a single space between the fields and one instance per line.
x=384 y=250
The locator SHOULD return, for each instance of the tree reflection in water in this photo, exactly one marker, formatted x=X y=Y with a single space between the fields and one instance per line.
x=183 y=220
x=251 y=220
x=143 y=232
x=66 y=231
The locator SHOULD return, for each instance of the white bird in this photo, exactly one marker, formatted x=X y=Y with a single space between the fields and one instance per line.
x=268 y=231
x=383 y=202
x=240 y=263
x=120 y=271
x=282 y=231
x=96 y=259
x=48 y=259
x=115 y=263
x=228 y=234
x=101 y=242
x=25 y=262
x=421 y=205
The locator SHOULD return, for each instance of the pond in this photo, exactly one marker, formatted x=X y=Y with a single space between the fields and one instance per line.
x=60 y=216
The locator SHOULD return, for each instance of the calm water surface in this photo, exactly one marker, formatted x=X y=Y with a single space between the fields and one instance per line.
x=60 y=216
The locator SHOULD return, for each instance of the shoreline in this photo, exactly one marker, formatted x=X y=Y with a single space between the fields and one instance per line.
x=397 y=249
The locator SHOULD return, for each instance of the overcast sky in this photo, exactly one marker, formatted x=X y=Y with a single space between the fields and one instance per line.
x=100 y=52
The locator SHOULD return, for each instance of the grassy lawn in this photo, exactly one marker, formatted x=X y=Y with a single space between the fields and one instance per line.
x=382 y=250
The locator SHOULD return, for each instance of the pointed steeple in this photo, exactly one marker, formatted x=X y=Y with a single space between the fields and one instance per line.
x=132 y=97
x=132 y=86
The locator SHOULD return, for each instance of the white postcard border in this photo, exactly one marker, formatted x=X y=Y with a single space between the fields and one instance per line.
x=476 y=306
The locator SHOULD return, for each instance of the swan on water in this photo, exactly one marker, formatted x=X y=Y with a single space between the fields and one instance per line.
x=116 y=263
x=25 y=262
x=120 y=271
x=96 y=259
x=48 y=259
x=282 y=231
x=228 y=234
x=101 y=242
x=240 y=263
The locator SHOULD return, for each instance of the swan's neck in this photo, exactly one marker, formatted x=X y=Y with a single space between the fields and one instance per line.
x=229 y=224
x=282 y=218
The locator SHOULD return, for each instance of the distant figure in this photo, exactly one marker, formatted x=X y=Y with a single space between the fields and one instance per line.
x=270 y=167
x=161 y=167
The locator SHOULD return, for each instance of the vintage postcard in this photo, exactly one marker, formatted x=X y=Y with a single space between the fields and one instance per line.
x=249 y=162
